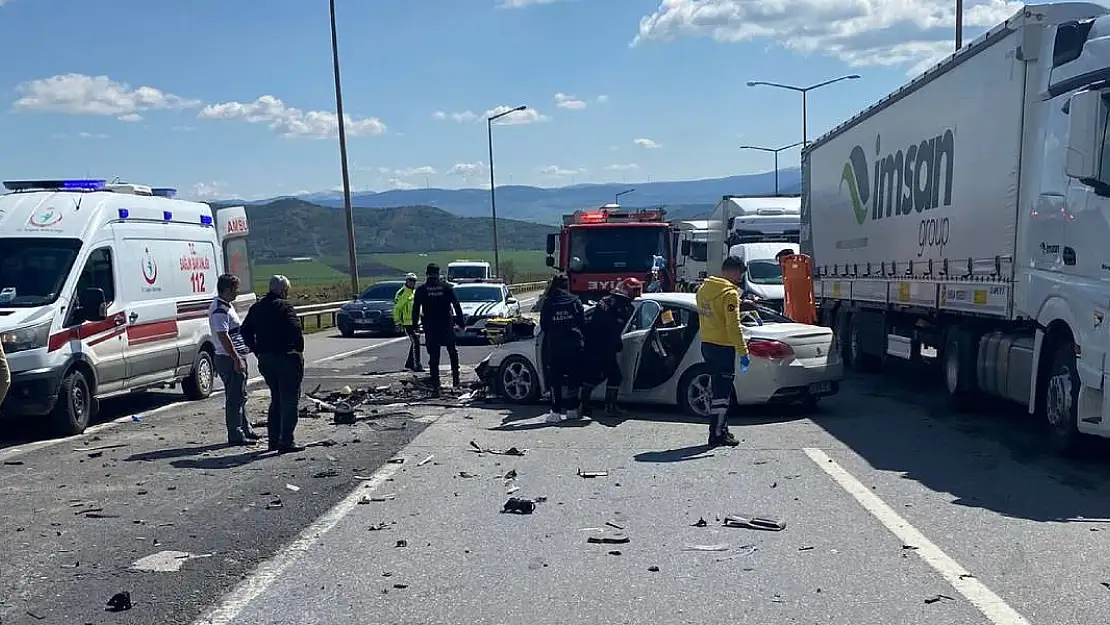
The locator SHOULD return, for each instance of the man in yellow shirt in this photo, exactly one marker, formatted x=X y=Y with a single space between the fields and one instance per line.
x=722 y=342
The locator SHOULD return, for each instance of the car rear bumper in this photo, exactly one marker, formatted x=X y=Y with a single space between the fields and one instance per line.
x=788 y=382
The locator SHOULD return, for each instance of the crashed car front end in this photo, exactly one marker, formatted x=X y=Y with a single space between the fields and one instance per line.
x=513 y=361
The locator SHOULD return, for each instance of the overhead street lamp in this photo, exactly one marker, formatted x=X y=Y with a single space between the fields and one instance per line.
x=617 y=197
x=492 y=186
x=959 y=24
x=803 y=91
x=774 y=151
x=352 y=257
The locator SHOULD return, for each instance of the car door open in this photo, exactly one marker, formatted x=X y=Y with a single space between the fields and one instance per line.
x=636 y=332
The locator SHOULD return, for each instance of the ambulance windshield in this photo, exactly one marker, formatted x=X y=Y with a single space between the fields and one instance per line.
x=33 y=271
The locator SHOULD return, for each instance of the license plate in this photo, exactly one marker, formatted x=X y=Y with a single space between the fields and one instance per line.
x=365 y=322
x=820 y=387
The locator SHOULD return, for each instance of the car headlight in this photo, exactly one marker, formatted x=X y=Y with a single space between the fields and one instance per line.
x=23 y=339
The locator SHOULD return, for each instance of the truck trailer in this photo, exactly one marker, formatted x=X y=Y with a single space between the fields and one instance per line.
x=968 y=212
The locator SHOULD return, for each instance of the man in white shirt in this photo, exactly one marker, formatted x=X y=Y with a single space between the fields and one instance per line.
x=231 y=360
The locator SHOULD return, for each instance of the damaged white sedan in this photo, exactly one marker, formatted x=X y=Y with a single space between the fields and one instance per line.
x=662 y=363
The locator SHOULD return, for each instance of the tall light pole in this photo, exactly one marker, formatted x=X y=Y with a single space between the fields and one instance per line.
x=352 y=257
x=617 y=197
x=804 y=91
x=959 y=24
x=774 y=151
x=492 y=187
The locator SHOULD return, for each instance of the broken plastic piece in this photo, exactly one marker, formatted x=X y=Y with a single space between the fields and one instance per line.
x=425 y=461
x=721 y=547
x=699 y=523
x=120 y=602
x=344 y=414
x=516 y=505
x=589 y=474
x=754 y=523
x=936 y=598
x=612 y=538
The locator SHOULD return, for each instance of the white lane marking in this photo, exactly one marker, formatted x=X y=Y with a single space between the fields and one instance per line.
x=269 y=571
x=166 y=561
x=14 y=452
x=984 y=599
x=359 y=350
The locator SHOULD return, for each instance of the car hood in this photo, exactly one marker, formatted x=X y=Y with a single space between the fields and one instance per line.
x=363 y=304
x=12 y=318
x=482 y=309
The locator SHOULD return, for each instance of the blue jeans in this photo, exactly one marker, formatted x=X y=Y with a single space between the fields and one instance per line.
x=721 y=361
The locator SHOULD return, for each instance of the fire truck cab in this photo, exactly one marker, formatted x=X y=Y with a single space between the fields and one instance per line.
x=599 y=248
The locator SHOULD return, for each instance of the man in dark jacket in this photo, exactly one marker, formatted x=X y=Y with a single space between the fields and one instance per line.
x=603 y=345
x=561 y=320
x=273 y=332
x=432 y=305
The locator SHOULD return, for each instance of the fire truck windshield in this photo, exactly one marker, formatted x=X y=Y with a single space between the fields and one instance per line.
x=618 y=249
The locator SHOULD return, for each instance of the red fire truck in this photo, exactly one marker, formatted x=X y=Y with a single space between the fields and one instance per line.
x=599 y=248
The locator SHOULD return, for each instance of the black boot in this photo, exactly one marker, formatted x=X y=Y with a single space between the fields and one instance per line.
x=611 y=407
x=584 y=407
x=455 y=382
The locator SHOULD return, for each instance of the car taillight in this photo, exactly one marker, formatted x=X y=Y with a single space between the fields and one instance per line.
x=766 y=348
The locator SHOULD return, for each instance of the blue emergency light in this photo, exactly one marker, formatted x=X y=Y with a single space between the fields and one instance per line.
x=167 y=216
x=56 y=185
x=206 y=220
x=123 y=213
x=164 y=192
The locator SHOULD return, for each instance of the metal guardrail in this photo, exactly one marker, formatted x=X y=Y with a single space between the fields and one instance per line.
x=330 y=309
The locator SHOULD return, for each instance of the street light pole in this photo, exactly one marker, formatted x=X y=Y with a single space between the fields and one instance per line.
x=774 y=151
x=352 y=257
x=804 y=91
x=492 y=185
x=959 y=24
x=617 y=197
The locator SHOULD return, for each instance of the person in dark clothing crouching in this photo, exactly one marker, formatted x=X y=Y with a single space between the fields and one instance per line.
x=561 y=320
x=432 y=305
x=604 y=344
x=273 y=332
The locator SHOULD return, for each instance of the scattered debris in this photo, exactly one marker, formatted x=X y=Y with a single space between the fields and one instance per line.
x=805 y=548
x=936 y=598
x=777 y=599
x=512 y=451
x=120 y=602
x=101 y=447
x=326 y=473
x=614 y=552
x=720 y=547
x=754 y=523
x=36 y=616
x=511 y=475
x=426 y=460
x=590 y=474
x=512 y=490
x=401 y=544
x=293 y=487
x=467 y=474
x=611 y=538
x=400 y=586
x=379 y=526
x=699 y=523
x=653 y=569
x=614 y=525
x=275 y=504
x=344 y=414
x=519 y=506
x=13 y=463
x=397 y=460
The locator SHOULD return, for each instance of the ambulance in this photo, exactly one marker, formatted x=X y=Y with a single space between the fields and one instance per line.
x=104 y=290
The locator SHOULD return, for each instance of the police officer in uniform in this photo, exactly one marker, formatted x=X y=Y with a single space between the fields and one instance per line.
x=432 y=306
x=603 y=344
x=561 y=320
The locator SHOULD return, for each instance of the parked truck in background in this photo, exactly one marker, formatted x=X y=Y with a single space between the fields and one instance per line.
x=599 y=248
x=969 y=212
x=693 y=264
x=462 y=271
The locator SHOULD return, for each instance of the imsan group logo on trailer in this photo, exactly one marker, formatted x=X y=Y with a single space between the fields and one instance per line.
x=149 y=267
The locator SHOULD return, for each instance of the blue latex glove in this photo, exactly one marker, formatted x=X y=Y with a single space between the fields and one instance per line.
x=745 y=361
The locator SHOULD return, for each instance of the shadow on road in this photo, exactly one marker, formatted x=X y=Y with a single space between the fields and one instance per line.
x=993 y=458
x=682 y=454
x=176 y=452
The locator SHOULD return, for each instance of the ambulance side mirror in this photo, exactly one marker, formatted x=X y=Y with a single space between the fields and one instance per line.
x=549 y=261
x=94 y=305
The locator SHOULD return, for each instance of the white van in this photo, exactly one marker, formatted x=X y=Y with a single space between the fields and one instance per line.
x=463 y=271
x=104 y=289
x=764 y=276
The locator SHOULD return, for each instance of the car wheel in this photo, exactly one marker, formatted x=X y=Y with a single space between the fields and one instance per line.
x=695 y=392
x=346 y=331
x=517 y=380
x=199 y=383
x=74 y=408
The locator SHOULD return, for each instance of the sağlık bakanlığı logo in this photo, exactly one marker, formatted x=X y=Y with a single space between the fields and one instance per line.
x=904 y=182
x=149 y=267
x=45 y=218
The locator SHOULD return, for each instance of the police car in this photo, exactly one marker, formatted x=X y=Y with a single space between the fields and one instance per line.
x=104 y=290
x=482 y=301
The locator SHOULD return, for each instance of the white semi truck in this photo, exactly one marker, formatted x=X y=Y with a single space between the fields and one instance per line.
x=968 y=212
x=755 y=228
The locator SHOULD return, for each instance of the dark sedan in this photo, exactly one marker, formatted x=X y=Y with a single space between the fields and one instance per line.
x=371 y=312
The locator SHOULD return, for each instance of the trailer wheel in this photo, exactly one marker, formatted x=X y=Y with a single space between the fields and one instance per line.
x=959 y=360
x=857 y=358
x=1060 y=405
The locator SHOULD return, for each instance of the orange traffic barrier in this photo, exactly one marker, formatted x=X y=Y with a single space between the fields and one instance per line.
x=797 y=282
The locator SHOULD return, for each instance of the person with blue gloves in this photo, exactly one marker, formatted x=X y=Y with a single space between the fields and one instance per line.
x=723 y=344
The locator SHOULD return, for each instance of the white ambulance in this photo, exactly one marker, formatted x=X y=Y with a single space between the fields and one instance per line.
x=104 y=290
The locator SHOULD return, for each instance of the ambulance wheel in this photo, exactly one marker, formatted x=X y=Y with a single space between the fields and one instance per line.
x=74 y=407
x=199 y=383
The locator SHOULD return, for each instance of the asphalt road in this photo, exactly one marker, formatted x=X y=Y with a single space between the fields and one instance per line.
x=896 y=511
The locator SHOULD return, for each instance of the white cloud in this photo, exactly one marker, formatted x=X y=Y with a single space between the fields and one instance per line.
x=210 y=191
x=78 y=94
x=602 y=99
x=467 y=170
x=404 y=185
x=292 y=122
x=565 y=101
x=80 y=135
x=858 y=32
x=517 y=4
x=647 y=143
x=623 y=167
x=527 y=116
x=131 y=118
x=555 y=170
x=461 y=117
x=409 y=172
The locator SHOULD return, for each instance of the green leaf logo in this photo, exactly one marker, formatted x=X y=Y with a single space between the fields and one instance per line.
x=848 y=177
x=855 y=176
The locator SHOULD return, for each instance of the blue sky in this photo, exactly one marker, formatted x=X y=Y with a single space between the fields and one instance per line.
x=225 y=98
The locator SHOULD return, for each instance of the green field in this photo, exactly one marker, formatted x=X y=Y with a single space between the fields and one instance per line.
x=325 y=279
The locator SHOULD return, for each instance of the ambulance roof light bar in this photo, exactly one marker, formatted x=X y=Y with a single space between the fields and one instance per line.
x=56 y=185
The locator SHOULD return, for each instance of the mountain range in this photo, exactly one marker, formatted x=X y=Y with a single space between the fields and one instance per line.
x=684 y=199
